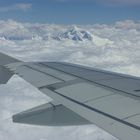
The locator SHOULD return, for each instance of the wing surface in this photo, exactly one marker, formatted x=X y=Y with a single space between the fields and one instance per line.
x=109 y=100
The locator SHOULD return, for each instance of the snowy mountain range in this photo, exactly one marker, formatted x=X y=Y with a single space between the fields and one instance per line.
x=75 y=34
x=47 y=33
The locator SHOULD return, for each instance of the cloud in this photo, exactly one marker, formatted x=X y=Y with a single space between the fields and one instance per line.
x=33 y=42
x=17 y=6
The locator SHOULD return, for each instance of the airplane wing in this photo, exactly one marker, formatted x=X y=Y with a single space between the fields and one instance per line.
x=82 y=95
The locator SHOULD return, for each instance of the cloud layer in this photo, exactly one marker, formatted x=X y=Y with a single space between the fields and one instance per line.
x=15 y=7
x=114 y=47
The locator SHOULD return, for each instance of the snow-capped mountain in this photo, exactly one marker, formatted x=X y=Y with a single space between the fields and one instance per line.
x=2 y=38
x=75 y=34
x=45 y=32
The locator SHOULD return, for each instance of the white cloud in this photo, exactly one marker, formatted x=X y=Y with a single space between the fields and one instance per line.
x=30 y=42
x=17 y=6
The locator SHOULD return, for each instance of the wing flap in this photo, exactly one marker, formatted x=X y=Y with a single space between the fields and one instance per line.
x=117 y=105
x=135 y=119
x=50 y=115
x=84 y=92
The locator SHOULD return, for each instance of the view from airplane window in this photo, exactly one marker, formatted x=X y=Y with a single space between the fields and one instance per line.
x=94 y=33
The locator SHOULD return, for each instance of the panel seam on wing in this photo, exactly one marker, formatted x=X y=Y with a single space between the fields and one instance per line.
x=133 y=115
x=43 y=72
x=98 y=84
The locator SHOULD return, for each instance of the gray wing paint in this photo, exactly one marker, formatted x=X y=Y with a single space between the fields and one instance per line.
x=6 y=74
x=81 y=95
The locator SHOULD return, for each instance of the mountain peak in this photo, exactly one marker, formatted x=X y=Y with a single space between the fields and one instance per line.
x=75 y=34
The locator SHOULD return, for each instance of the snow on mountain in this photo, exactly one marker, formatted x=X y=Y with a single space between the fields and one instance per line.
x=4 y=42
x=74 y=34
x=37 y=37
x=2 y=38
x=78 y=34
x=14 y=31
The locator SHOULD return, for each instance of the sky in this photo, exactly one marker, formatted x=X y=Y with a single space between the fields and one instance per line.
x=70 y=11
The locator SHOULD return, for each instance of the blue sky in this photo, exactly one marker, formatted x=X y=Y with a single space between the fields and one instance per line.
x=70 y=11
